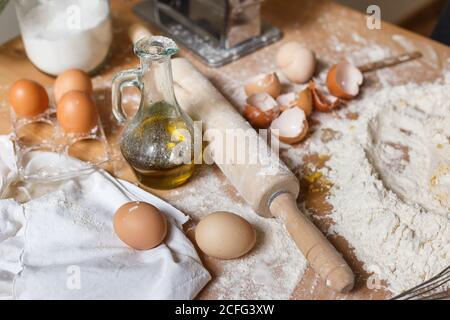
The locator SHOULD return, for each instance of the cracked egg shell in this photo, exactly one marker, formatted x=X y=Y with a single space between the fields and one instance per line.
x=268 y=83
x=291 y=126
x=296 y=62
x=260 y=110
x=286 y=100
x=320 y=101
x=302 y=100
x=343 y=80
x=305 y=101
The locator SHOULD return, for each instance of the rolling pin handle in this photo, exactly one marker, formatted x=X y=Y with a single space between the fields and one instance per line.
x=137 y=31
x=316 y=248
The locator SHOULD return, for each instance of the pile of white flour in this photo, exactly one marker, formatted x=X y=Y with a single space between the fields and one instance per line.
x=390 y=170
x=390 y=167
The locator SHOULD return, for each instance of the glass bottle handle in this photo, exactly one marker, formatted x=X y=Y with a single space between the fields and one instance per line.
x=126 y=78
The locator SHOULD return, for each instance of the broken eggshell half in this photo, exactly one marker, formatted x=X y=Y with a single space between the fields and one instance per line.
x=320 y=101
x=286 y=100
x=260 y=110
x=302 y=100
x=296 y=62
x=344 y=79
x=268 y=83
x=291 y=126
x=305 y=101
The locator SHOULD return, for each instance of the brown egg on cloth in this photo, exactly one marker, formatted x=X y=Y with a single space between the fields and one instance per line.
x=76 y=113
x=72 y=80
x=140 y=225
x=225 y=235
x=28 y=98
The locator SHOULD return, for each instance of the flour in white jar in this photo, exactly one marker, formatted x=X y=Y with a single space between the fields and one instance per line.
x=73 y=34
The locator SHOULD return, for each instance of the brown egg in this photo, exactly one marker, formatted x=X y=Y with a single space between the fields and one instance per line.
x=140 y=225
x=72 y=80
x=76 y=113
x=28 y=98
x=225 y=235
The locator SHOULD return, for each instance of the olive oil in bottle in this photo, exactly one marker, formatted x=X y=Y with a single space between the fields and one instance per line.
x=158 y=141
x=160 y=151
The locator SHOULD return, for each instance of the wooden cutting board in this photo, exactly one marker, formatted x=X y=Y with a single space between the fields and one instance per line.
x=312 y=22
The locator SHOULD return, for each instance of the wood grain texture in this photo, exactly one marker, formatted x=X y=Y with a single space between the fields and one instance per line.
x=309 y=21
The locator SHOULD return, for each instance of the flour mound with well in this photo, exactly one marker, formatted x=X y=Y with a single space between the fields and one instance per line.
x=390 y=169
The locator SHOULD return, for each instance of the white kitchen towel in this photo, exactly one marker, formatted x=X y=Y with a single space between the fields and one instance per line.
x=62 y=245
x=8 y=169
x=12 y=222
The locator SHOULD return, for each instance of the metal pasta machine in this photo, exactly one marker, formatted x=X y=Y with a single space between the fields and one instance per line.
x=218 y=31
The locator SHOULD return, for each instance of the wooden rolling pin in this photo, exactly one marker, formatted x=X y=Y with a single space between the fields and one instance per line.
x=267 y=184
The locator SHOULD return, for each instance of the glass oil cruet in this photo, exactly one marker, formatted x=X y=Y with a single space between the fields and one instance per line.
x=158 y=141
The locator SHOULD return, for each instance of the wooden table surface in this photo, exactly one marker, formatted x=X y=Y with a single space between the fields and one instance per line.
x=329 y=29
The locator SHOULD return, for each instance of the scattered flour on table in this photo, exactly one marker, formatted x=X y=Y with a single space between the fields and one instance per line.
x=271 y=270
x=390 y=166
x=391 y=184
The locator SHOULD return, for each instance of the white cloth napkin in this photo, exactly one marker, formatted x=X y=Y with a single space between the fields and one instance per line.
x=8 y=169
x=62 y=245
